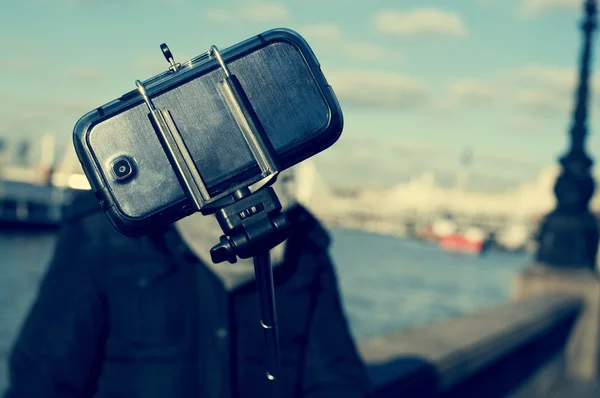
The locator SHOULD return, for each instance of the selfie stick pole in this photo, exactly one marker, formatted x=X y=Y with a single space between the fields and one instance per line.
x=250 y=213
x=266 y=293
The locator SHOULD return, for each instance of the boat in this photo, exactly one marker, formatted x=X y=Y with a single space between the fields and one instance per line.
x=472 y=241
x=450 y=237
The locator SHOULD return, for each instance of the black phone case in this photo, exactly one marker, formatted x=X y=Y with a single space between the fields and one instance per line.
x=154 y=197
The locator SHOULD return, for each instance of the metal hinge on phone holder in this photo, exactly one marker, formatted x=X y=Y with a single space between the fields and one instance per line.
x=249 y=213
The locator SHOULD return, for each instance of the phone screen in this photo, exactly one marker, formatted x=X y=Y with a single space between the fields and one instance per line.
x=283 y=92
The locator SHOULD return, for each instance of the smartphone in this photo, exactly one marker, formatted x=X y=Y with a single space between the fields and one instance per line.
x=127 y=167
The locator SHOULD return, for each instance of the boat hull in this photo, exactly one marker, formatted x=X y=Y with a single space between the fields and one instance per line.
x=458 y=243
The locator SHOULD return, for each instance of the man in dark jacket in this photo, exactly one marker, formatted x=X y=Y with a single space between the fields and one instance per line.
x=148 y=318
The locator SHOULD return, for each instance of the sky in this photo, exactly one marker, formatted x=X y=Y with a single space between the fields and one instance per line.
x=418 y=81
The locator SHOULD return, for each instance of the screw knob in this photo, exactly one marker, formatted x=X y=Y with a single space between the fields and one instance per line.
x=223 y=252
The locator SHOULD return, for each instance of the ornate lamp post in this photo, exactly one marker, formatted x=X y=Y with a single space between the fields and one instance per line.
x=568 y=236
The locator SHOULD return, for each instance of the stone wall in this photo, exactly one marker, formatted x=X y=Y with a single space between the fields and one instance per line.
x=517 y=349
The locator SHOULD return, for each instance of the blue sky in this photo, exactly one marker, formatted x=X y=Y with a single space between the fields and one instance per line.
x=418 y=80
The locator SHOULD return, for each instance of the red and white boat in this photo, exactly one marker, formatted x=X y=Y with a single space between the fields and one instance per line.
x=471 y=241
x=450 y=238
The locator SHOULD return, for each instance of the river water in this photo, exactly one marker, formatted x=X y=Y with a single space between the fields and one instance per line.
x=387 y=284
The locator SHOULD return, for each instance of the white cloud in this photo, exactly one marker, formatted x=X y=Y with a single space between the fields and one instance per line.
x=536 y=90
x=265 y=12
x=563 y=79
x=535 y=7
x=547 y=89
x=466 y=91
x=541 y=101
x=377 y=89
x=420 y=21
x=552 y=77
x=524 y=125
x=331 y=37
x=472 y=91
x=253 y=12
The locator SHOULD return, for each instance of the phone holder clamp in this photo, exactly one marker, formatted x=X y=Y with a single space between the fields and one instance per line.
x=248 y=213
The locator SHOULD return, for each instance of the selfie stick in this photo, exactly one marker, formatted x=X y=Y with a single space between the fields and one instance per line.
x=250 y=213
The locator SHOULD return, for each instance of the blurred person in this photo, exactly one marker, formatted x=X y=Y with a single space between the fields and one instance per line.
x=154 y=317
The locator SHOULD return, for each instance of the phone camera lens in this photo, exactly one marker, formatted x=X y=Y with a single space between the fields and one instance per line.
x=122 y=168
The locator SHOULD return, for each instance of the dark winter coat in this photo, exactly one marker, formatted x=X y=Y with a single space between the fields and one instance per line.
x=143 y=318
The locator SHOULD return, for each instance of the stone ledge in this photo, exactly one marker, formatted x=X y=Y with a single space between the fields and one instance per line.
x=583 y=350
x=440 y=357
